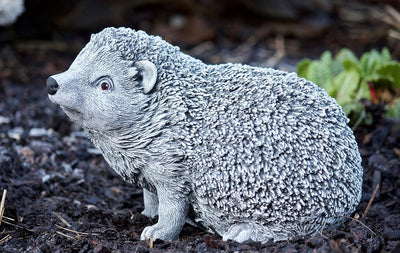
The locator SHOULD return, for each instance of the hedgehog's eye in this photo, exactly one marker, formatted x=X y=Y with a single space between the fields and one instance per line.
x=105 y=84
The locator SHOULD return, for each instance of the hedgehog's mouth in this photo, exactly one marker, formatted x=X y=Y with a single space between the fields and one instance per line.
x=70 y=111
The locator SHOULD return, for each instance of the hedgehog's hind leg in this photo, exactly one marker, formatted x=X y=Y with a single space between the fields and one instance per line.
x=150 y=204
x=241 y=232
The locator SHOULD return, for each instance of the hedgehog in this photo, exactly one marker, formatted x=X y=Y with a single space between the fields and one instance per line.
x=246 y=152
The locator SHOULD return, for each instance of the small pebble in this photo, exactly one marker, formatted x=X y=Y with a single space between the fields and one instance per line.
x=4 y=120
x=78 y=173
x=38 y=132
x=15 y=133
x=46 y=178
x=94 y=151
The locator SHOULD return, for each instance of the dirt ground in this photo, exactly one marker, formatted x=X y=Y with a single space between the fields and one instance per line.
x=63 y=197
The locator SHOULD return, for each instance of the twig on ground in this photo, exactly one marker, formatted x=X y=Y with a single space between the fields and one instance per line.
x=65 y=235
x=7 y=232
x=17 y=226
x=7 y=218
x=4 y=218
x=351 y=218
x=5 y=239
x=370 y=201
x=62 y=219
x=74 y=231
x=2 y=208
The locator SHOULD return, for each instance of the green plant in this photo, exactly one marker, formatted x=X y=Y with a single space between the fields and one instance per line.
x=394 y=109
x=348 y=79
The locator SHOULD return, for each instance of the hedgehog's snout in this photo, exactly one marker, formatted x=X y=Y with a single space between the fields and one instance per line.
x=51 y=85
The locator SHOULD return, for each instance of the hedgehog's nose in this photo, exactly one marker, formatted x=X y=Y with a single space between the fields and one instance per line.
x=52 y=86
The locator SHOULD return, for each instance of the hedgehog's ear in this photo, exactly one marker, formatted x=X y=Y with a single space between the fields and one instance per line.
x=148 y=71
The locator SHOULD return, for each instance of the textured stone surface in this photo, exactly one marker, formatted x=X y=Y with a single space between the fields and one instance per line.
x=253 y=153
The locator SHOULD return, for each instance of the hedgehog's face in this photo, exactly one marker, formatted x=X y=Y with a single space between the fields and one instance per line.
x=101 y=91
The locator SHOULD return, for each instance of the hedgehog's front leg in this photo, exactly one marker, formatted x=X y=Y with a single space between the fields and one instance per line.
x=172 y=212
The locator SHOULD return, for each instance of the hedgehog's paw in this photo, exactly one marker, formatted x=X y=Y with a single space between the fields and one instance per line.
x=238 y=232
x=158 y=231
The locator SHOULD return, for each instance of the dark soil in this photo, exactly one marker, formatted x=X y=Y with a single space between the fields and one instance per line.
x=63 y=197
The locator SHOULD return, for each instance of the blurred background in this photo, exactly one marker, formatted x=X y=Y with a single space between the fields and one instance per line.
x=261 y=32
x=41 y=37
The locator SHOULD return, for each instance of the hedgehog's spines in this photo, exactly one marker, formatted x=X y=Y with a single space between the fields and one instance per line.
x=257 y=151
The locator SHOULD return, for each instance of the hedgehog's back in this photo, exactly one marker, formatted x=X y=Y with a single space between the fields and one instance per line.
x=270 y=146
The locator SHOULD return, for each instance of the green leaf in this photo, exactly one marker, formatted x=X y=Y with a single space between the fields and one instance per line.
x=336 y=67
x=393 y=111
x=346 y=84
x=390 y=72
x=352 y=107
x=386 y=57
x=346 y=55
x=318 y=71
x=321 y=71
x=363 y=91
x=369 y=62
x=346 y=78
x=326 y=58
x=351 y=65
x=348 y=60
x=303 y=67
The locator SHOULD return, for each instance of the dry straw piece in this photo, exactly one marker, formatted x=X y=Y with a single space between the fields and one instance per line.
x=370 y=201
x=3 y=200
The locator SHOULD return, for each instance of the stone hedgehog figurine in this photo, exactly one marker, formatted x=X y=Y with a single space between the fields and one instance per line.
x=246 y=152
